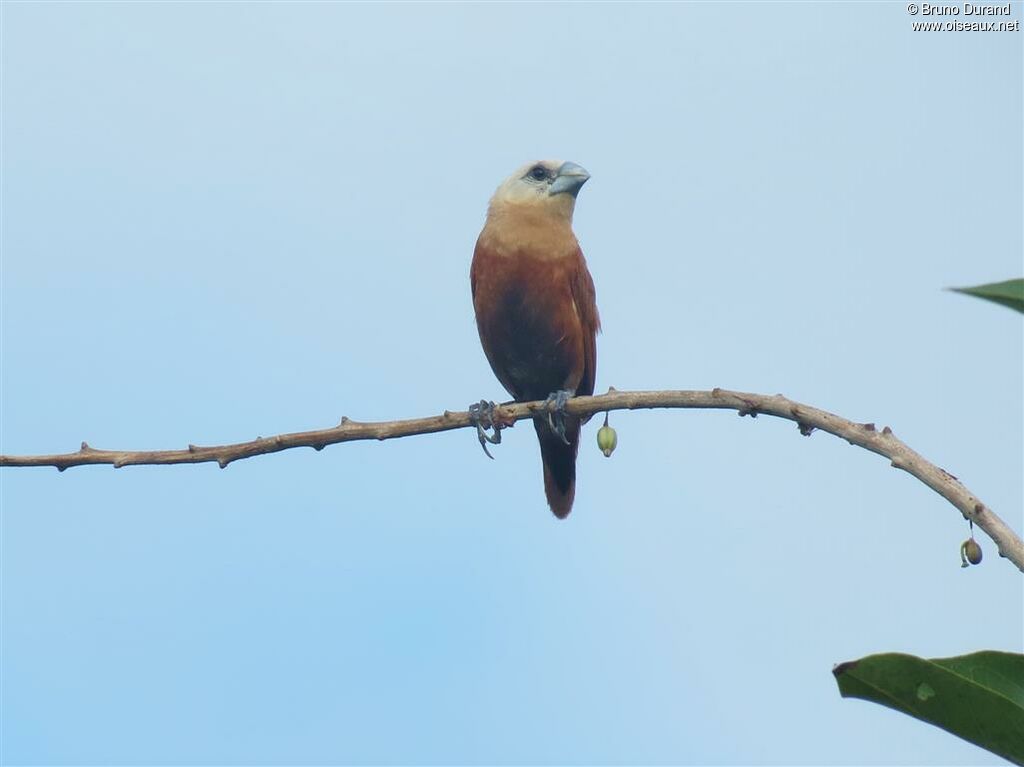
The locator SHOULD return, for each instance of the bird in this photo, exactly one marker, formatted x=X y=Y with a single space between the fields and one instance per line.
x=536 y=308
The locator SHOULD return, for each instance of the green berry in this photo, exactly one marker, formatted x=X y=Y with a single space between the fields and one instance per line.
x=607 y=439
x=971 y=552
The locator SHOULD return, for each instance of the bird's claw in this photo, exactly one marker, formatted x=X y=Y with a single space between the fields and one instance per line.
x=555 y=405
x=483 y=417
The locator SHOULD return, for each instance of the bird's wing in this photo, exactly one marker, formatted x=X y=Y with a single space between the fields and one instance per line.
x=584 y=296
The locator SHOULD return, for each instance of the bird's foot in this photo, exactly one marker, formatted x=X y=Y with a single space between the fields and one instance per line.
x=555 y=405
x=483 y=416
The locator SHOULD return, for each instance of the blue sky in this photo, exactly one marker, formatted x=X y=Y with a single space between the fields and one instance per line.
x=229 y=220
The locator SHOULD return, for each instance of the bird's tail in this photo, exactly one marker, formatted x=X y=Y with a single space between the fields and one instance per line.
x=559 y=464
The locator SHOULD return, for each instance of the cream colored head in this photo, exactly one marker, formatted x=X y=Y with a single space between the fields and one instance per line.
x=547 y=186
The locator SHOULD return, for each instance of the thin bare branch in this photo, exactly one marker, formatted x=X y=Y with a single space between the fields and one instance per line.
x=807 y=418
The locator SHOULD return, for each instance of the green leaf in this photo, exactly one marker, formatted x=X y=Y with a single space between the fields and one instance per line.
x=1009 y=293
x=978 y=697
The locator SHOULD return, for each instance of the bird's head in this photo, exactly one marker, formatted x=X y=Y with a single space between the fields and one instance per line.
x=547 y=186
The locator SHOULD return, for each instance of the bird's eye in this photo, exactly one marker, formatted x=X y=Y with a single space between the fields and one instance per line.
x=538 y=173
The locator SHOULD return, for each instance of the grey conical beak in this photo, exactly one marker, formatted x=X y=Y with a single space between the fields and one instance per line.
x=571 y=177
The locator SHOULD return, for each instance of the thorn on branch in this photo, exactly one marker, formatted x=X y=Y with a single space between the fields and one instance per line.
x=805 y=428
x=223 y=462
x=84 y=448
x=192 y=448
x=867 y=426
x=750 y=409
x=344 y=420
x=887 y=431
